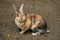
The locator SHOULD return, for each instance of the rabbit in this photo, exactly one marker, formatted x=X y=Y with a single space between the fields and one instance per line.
x=29 y=21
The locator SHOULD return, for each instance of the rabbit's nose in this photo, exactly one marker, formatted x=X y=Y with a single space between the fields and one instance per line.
x=20 y=20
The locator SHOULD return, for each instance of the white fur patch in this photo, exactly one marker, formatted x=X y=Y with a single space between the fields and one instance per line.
x=34 y=33
x=37 y=33
x=33 y=26
x=21 y=32
x=40 y=30
x=21 y=8
x=17 y=22
x=18 y=18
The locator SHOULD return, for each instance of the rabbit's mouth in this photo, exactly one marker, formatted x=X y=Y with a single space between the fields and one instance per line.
x=23 y=20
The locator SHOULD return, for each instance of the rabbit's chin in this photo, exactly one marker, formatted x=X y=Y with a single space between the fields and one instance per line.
x=17 y=22
x=19 y=25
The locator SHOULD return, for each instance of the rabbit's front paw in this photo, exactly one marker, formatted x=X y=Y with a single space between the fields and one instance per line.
x=37 y=33
x=21 y=32
x=34 y=33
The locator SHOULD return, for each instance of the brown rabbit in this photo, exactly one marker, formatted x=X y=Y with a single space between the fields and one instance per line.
x=29 y=21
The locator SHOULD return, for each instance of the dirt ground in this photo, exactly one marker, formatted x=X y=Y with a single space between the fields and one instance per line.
x=49 y=9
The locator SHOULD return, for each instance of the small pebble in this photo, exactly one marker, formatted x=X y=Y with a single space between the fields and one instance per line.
x=7 y=35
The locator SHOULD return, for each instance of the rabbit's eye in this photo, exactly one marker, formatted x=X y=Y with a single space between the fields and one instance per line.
x=17 y=15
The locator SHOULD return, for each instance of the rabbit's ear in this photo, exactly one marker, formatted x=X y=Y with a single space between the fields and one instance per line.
x=15 y=8
x=21 y=8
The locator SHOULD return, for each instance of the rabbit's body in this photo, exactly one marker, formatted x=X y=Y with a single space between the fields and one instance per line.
x=29 y=21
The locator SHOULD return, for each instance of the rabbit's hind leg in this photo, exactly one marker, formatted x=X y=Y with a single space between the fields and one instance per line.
x=36 y=31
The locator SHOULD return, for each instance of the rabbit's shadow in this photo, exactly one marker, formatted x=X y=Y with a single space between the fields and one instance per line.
x=27 y=32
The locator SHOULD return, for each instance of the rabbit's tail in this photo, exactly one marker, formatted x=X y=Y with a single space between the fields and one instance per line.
x=46 y=29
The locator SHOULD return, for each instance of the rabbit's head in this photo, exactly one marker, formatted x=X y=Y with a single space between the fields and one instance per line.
x=19 y=13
